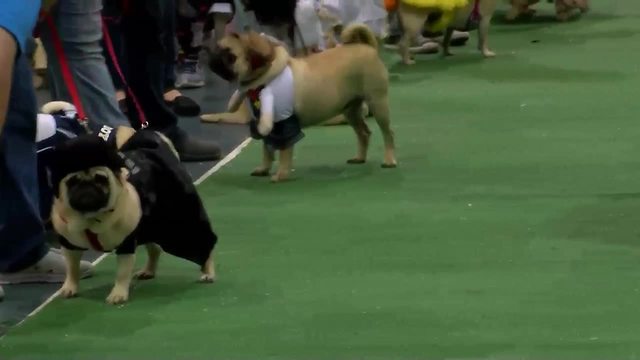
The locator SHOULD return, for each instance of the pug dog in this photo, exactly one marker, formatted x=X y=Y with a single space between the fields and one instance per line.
x=465 y=17
x=287 y=94
x=110 y=198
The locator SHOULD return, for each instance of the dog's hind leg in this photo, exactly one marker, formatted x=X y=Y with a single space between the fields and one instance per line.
x=285 y=163
x=151 y=267
x=380 y=110
x=355 y=116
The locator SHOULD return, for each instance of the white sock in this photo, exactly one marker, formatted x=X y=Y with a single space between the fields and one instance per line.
x=46 y=127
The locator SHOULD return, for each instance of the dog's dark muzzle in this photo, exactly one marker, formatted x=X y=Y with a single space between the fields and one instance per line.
x=87 y=197
x=221 y=63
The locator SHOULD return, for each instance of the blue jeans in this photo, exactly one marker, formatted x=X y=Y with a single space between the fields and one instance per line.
x=21 y=231
x=79 y=25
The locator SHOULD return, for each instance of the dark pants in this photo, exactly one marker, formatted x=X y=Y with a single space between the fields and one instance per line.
x=21 y=231
x=144 y=39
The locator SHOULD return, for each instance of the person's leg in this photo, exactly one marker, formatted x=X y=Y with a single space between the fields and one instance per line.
x=79 y=26
x=112 y=20
x=21 y=231
x=24 y=254
x=148 y=29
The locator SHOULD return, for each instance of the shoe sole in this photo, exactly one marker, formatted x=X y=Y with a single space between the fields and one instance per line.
x=192 y=85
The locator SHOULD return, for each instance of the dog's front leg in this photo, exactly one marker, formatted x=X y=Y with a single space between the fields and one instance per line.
x=284 y=165
x=120 y=292
x=236 y=112
x=72 y=279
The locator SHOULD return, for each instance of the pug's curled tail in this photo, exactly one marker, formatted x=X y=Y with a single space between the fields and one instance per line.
x=359 y=34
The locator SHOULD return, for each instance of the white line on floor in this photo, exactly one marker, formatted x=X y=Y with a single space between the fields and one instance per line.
x=227 y=159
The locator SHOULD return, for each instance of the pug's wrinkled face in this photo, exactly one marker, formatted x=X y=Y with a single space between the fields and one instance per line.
x=92 y=191
x=242 y=57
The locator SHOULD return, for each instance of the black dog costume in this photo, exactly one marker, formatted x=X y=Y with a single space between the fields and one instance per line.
x=173 y=215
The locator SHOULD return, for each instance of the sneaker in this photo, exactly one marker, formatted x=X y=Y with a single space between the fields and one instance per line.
x=189 y=74
x=51 y=269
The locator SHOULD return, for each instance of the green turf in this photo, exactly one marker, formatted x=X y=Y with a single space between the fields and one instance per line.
x=509 y=231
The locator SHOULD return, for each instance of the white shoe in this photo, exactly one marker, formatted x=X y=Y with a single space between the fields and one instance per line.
x=51 y=269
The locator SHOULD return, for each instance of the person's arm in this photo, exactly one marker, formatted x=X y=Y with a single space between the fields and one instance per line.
x=17 y=19
x=7 y=59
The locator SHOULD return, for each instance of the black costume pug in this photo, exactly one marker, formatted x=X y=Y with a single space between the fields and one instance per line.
x=111 y=199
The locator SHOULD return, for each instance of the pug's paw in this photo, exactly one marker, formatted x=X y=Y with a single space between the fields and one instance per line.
x=118 y=296
x=68 y=290
x=207 y=278
x=145 y=274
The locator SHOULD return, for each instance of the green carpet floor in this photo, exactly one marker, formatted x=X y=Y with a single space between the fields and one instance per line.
x=509 y=231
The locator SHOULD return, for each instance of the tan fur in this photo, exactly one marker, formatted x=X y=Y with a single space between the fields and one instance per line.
x=413 y=19
x=356 y=74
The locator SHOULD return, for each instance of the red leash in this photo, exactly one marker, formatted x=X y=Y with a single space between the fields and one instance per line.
x=66 y=71
x=112 y=54
x=67 y=74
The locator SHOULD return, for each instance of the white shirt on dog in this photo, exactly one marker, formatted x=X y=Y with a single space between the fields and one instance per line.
x=277 y=97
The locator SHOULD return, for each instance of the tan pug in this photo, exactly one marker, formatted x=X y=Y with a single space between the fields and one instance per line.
x=109 y=200
x=324 y=85
x=414 y=18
